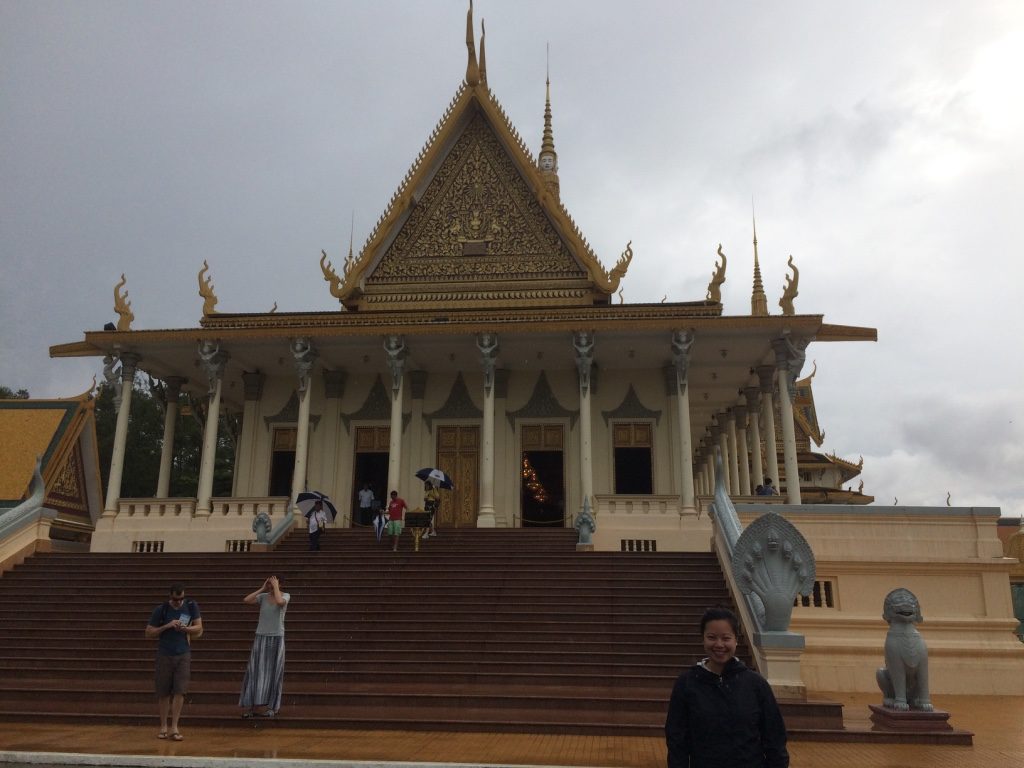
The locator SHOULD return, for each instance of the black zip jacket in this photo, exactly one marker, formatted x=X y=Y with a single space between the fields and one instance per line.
x=732 y=721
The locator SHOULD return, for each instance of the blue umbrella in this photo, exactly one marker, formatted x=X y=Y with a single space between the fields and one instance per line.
x=437 y=477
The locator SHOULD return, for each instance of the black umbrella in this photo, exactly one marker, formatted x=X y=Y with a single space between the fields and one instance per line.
x=438 y=478
x=308 y=499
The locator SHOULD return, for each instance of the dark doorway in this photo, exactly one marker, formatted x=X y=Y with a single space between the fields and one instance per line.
x=372 y=469
x=633 y=470
x=282 y=462
x=542 y=489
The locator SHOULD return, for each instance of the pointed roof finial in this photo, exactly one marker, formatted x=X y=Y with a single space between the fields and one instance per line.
x=351 y=233
x=472 y=70
x=483 y=57
x=548 y=142
x=758 y=299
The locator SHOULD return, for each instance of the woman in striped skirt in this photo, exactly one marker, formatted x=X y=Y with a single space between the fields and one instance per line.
x=264 y=677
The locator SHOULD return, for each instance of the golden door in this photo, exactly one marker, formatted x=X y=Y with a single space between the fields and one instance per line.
x=458 y=454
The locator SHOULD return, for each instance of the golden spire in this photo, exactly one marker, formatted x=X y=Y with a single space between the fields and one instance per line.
x=483 y=56
x=547 y=160
x=472 y=70
x=758 y=299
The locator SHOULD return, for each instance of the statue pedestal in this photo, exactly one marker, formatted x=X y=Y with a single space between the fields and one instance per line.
x=912 y=720
x=584 y=547
x=780 y=656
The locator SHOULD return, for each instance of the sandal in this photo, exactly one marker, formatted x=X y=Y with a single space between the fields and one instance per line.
x=162 y=735
x=268 y=713
x=177 y=737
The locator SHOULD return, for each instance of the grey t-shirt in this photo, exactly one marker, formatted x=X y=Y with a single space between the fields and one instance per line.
x=271 y=614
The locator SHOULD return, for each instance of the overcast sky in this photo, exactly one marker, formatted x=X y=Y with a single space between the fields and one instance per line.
x=881 y=143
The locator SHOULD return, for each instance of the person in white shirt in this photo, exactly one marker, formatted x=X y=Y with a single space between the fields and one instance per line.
x=366 y=499
x=317 y=523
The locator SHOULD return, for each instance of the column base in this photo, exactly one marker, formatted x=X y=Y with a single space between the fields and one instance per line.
x=485 y=518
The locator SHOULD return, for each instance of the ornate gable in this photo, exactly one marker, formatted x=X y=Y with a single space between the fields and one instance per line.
x=475 y=223
x=478 y=230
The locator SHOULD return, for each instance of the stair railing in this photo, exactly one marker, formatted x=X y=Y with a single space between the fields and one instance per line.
x=25 y=528
x=765 y=566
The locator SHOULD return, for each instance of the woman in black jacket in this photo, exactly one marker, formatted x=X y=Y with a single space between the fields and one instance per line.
x=722 y=714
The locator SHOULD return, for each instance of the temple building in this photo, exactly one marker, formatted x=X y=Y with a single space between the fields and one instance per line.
x=477 y=331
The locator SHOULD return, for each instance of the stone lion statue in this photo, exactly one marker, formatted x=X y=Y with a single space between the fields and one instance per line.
x=904 y=678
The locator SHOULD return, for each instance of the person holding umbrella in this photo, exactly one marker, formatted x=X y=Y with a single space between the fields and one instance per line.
x=431 y=503
x=316 y=507
x=317 y=522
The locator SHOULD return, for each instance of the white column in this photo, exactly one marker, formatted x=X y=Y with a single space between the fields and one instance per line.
x=487 y=343
x=722 y=441
x=682 y=341
x=396 y=351
x=734 y=465
x=334 y=387
x=172 y=391
x=304 y=356
x=583 y=343
x=754 y=437
x=789 y=359
x=213 y=360
x=766 y=377
x=743 y=456
x=129 y=362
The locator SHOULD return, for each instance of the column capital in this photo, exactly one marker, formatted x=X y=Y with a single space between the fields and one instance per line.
x=334 y=383
x=753 y=396
x=790 y=354
x=740 y=411
x=172 y=388
x=765 y=378
x=252 y=385
x=129 y=364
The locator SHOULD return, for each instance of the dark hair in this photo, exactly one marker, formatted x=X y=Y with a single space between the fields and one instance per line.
x=720 y=613
x=177 y=588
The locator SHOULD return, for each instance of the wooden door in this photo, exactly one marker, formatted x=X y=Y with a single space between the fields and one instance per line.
x=458 y=454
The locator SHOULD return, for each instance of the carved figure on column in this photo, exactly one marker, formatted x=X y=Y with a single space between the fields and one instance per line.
x=112 y=376
x=487 y=343
x=583 y=342
x=904 y=678
x=305 y=357
x=790 y=354
x=396 y=351
x=212 y=359
x=682 y=341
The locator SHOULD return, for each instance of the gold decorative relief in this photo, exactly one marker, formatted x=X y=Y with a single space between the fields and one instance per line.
x=477 y=221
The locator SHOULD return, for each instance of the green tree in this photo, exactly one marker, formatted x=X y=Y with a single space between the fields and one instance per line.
x=6 y=393
x=145 y=441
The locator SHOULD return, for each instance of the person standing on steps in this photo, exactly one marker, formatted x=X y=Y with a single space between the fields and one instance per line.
x=317 y=523
x=431 y=503
x=721 y=713
x=264 y=675
x=366 y=499
x=173 y=624
x=396 y=507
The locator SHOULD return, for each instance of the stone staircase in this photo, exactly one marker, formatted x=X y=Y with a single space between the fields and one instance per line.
x=482 y=630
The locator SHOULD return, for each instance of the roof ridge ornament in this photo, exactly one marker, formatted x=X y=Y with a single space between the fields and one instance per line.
x=483 y=56
x=717 y=278
x=206 y=291
x=789 y=290
x=122 y=306
x=472 y=68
